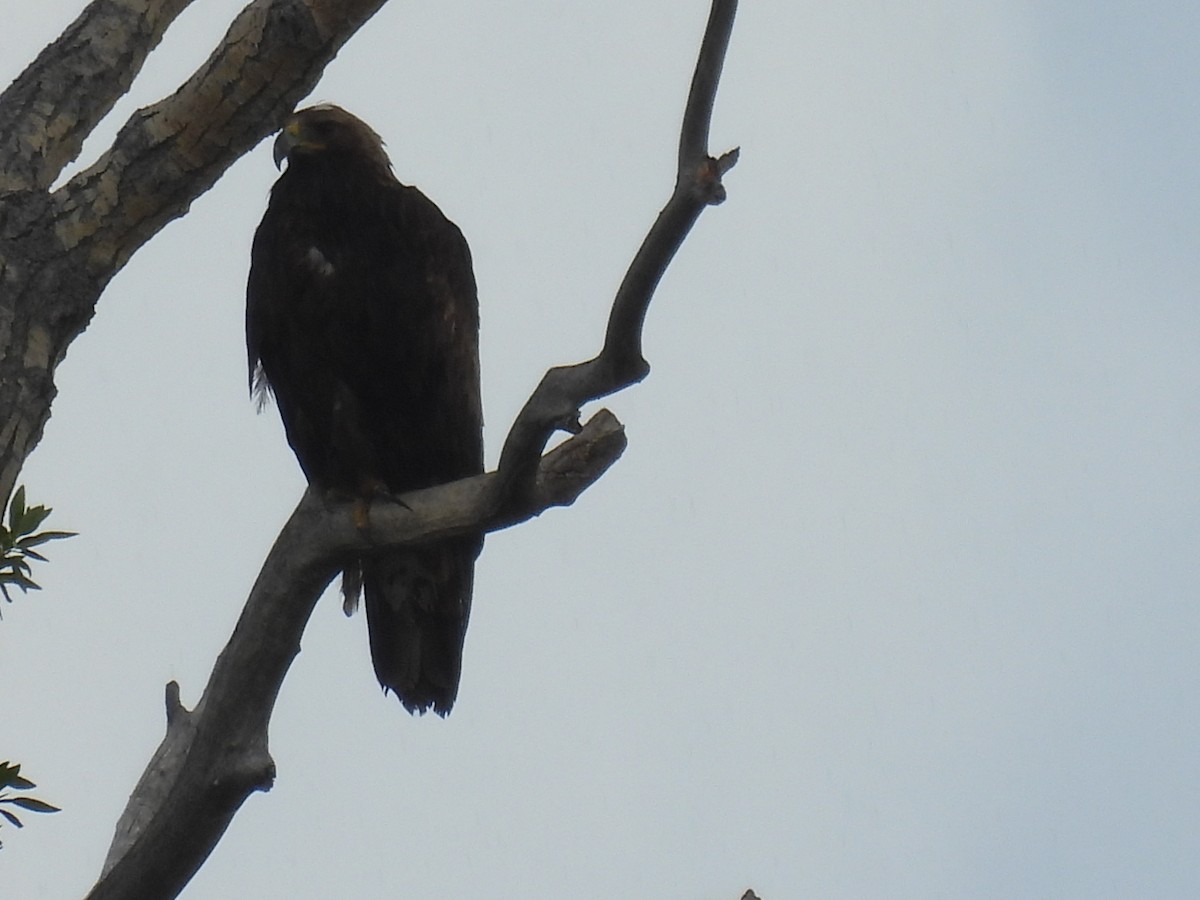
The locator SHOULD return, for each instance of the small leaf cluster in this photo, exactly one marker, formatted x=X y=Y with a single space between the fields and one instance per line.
x=17 y=541
x=11 y=780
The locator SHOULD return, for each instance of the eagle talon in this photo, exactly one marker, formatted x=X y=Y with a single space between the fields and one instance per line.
x=360 y=512
x=377 y=490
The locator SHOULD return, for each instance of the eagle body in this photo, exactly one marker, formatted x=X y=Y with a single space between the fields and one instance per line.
x=362 y=322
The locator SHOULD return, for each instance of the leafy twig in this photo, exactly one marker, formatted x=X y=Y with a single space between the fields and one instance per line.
x=17 y=541
x=10 y=778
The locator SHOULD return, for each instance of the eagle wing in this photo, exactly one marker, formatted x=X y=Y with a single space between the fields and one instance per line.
x=362 y=321
x=368 y=338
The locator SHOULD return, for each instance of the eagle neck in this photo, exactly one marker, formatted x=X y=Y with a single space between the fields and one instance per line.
x=334 y=183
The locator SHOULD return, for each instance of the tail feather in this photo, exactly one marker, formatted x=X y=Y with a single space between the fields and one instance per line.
x=418 y=602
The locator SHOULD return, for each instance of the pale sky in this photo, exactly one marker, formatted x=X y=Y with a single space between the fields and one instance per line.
x=893 y=594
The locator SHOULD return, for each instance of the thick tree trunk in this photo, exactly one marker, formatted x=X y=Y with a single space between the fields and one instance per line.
x=59 y=249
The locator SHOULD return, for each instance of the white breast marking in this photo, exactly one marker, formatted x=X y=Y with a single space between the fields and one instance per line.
x=317 y=261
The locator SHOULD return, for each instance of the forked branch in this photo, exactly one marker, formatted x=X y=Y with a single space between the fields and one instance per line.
x=214 y=756
x=556 y=403
x=60 y=248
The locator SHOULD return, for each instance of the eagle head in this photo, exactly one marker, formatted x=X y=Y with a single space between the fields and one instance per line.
x=329 y=132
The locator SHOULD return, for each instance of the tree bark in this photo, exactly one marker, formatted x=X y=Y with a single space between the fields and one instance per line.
x=215 y=755
x=59 y=249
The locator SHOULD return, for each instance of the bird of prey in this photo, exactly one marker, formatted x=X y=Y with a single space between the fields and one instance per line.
x=362 y=322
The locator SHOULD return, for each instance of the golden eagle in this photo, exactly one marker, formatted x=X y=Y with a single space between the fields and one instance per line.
x=363 y=322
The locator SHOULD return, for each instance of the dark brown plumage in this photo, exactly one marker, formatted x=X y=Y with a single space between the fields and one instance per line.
x=362 y=321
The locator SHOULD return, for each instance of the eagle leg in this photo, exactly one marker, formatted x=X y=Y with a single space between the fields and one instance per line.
x=370 y=488
x=360 y=513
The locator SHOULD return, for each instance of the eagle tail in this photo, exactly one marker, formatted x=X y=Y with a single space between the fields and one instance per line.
x=418 y=602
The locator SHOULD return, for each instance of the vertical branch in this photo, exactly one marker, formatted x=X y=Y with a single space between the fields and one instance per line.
x=556 y=403
x=693 y=137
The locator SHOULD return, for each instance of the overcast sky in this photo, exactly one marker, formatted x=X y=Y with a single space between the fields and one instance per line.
x=895 y=591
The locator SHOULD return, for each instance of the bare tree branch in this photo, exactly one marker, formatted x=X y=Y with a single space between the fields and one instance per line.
x=697 y=116
x=215 y=756
x=168 y=154
x=556 y=402
x=59 y=250
x=51 y=107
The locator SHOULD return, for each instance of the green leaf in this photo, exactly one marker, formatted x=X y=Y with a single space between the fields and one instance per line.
x=33 y=517
x=11 y=818
x=16 y=509
x=35 y=539
x=24 y=582
x=17 y=568
x=32 y=805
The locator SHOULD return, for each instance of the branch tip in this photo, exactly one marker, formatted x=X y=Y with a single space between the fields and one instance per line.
x=621 y=363
x=707 y=184
x=175 y=708
x=184 y=782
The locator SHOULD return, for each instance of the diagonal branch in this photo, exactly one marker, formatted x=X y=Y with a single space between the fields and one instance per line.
x=556 y=402
x=51 y=107
x=169 y=153
x=214 y=756
x=58 y=251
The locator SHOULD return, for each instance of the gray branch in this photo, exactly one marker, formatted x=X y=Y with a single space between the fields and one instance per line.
x=215 y=755
x=59 y=250
x=51 y=107
x=556 y=402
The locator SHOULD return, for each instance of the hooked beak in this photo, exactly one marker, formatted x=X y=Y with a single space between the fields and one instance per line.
x=284 y=143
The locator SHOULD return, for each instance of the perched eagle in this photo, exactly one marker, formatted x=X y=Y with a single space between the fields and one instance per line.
x=362 y=321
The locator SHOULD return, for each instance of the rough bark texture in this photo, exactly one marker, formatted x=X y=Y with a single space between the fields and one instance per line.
x=59 y=249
